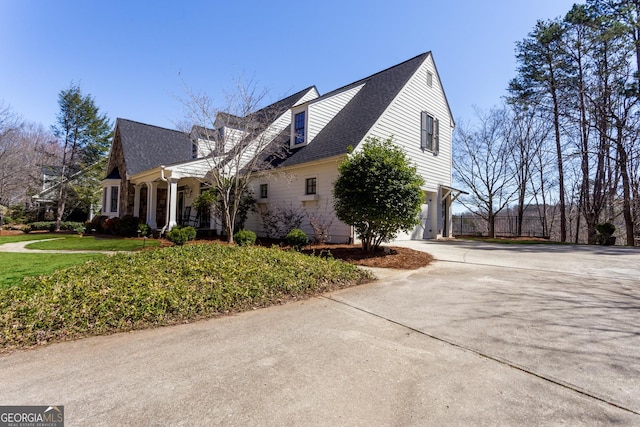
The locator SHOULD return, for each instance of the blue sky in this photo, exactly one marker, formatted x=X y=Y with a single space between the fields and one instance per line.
x=134 y=57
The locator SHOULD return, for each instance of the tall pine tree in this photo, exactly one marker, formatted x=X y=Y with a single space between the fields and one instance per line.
x=84 y=134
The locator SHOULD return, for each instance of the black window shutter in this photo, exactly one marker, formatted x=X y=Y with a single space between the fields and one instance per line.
x=423 y=129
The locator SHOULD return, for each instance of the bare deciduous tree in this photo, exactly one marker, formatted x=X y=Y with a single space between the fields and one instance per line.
x=238 y=140
x=24 y=149
x=482 y=163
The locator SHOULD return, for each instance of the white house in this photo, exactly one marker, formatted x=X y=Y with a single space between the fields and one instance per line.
x=156 y=173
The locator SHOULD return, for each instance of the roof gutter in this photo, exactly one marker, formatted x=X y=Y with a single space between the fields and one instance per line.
x=163 y=178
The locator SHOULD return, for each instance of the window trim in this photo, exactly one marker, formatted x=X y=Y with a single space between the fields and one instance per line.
x=429 y=132
x=114 y=196
x=105 y=191
x=299 y=127
x=313 y=189
x=111 y=188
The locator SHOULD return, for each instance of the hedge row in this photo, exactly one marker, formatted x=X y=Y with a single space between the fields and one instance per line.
x=51 y=226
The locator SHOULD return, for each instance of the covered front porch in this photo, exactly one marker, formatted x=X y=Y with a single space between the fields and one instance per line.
x=164 y=197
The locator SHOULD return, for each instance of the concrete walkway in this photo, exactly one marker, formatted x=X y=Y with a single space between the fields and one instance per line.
x=488 y=335
x=21 y=247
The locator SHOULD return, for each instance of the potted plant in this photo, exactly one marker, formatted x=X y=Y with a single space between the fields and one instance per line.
x=605 y=234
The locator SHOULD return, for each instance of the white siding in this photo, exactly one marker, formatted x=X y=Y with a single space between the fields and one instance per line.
x=311 y=95
x=322 y=111
x=402 y=120
x=287 y=187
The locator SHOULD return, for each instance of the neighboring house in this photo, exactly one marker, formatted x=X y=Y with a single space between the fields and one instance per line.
x=156 y=173
x=45 y=199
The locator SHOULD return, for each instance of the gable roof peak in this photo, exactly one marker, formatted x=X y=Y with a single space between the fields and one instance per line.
x=354 y=121
x=361 y=81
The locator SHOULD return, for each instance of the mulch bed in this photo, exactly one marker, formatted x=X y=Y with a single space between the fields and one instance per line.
x=386 y=257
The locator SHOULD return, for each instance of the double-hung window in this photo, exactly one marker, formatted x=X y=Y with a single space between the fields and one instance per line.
x=114 y=199
x=429 y=132
x=264 y=191
x=310 y=186
x=299 y=125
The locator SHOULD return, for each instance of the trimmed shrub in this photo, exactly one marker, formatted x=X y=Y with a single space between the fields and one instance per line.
x=245 y=238
x=297 y=238
x=181 y=235
x=113 y=225
x=99 y=224
x=127 y=226
x=606 y=229
x=605 y=234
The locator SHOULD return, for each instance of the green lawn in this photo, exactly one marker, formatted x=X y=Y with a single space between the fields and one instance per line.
x=24 y=237
x=15 y=266
x=90 y=243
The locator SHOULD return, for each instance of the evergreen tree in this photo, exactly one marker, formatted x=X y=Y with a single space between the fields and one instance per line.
x=84 y=134
x=542 y=77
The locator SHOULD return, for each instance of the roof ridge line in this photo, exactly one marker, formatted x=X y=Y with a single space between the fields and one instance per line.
x=147 y=124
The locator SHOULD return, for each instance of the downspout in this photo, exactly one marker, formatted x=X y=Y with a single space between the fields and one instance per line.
x=162 y=177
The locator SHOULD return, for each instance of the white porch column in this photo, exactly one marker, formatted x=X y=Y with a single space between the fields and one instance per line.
x=434 y=209
x=152 y=201
x=448 y=217
x=136 y=201
x=172 y=206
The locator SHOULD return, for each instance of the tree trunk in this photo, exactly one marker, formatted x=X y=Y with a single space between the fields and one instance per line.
x=626 y=190
x=491 y=222
x=62 y=197
x=556 y=127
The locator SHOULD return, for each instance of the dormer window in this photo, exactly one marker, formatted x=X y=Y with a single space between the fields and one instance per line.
x=299 y=128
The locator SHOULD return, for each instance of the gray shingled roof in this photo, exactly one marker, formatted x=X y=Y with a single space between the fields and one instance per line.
x=146 y=146
x=265 y=115
x=353 y=122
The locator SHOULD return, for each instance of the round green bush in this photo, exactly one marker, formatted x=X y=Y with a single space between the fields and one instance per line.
x=245 y=238
x=297 y=238
x=606 y=228
x=181 y=235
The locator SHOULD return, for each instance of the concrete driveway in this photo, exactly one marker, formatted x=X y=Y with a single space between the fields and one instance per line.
x=488 y=335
